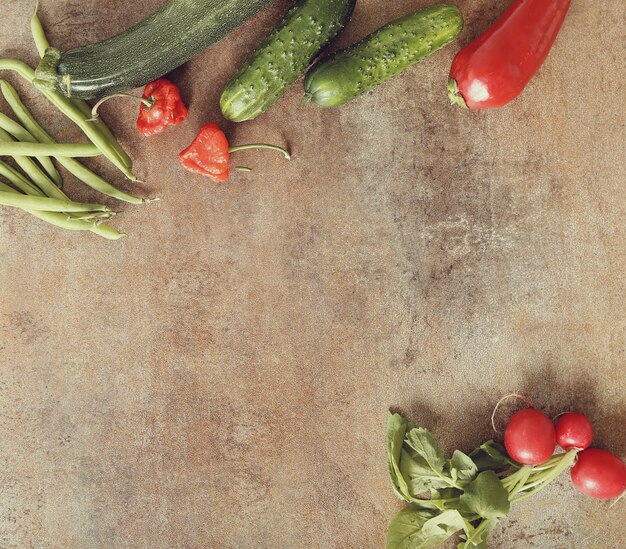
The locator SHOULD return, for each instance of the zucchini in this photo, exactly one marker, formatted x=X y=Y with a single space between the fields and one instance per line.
x=177 y=32
x=384 y=54
x=284 y=56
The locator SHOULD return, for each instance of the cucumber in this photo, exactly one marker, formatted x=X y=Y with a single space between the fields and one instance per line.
x=284 y=56
x=177 y=32
x=384 y=54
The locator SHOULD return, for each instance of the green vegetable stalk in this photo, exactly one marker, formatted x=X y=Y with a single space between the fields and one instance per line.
x=467 y=494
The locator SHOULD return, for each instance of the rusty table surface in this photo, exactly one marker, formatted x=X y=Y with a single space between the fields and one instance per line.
x=220 y=378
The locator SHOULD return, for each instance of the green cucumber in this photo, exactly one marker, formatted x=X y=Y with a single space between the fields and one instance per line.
x=284 y=56
x=177 y=32
x=381 y=56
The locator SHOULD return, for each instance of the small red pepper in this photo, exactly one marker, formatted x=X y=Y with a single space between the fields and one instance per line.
x=168 y=108
x=209 y=154
x=494 y=69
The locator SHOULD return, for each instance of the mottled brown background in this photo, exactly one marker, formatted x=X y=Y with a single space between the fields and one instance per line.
x=221 y=377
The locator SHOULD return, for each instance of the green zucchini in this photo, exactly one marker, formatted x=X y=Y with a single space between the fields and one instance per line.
x=284 y=56
x=177 y=32
x=384 y=54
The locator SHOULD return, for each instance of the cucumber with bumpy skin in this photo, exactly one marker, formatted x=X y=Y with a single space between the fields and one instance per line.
x=382 y=55
x=157 y=45
x=283 y=57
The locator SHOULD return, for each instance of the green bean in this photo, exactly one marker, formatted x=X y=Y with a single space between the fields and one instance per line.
x=5 y=188
x=19 y=180
x=67 y=108
x=96 y=182
x=34 y=172
x=21 y=68
x=86 y=110
x=54 y=218
x=73 y=166
x=68 y=223
x=28 y=74
x=72 y=112
x=72 y=224
x=90 y=130
x=95 y=216
x=45 y=204
x=42 y=44
x=47 y=187
x=108 y=232
x=46 y=149
x=59 y=219
x=22 y=135
x=39 y=35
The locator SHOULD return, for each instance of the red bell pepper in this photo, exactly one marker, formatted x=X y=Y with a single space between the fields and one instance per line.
x=167 y=108
x=209 y=154
x=494 y=69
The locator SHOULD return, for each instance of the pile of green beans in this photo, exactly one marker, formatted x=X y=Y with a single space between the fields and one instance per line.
x=74 y=167
x=38 y=189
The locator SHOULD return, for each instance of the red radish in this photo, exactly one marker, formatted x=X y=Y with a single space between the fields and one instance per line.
x=574 y=430
x=599 y=474
x=530 y=437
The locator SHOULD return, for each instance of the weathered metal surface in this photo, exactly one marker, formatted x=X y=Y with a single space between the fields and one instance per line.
x=221 y=377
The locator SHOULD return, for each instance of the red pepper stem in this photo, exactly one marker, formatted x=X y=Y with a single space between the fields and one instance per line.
x=260 y=146
x=149 y=103
x=455 y=95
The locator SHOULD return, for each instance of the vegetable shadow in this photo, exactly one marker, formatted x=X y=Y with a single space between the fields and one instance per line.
x=479 y=17
x=577 y=391
x=559 y=391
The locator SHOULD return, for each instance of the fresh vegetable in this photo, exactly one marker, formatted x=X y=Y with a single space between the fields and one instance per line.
x=574 y=430
x=33 y=171
x=284 y=56
x=37 y=190
x=42 y=44
x=46 y=204
x=209 y=154
x=494 y=69
x=43 y=149
x=530 y=437
x=84 y=221
x=91 y=222
x=77 y=169
x=18 y=180
x=467 y=494
x=599 y=474
x=166 y=109
x=75 y=114
x=21 y=134
x=381 y=56
x=177 y=32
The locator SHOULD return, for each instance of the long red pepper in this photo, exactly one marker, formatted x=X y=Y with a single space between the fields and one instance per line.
x=494 y=69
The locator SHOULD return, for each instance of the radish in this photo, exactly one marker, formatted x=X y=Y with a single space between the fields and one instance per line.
x=599 y=474
x=530 y=437
x=574 y=431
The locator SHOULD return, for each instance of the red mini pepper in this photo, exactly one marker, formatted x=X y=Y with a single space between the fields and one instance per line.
x=167 y=108
x=494 y=69
x=209 y=154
